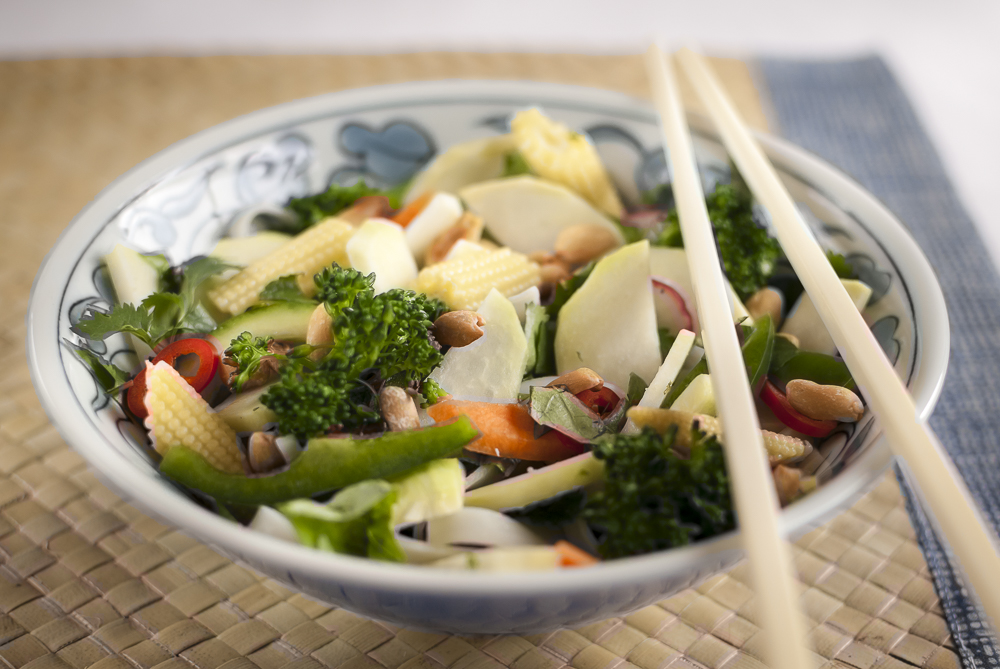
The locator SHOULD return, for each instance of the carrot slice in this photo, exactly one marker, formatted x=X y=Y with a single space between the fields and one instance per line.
x=410 y=211
x=508 y=431
x=573 y=556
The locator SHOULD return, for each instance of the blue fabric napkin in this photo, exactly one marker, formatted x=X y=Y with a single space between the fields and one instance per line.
x=854 y=114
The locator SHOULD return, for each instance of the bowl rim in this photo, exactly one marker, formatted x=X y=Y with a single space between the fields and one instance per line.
x=52 y=386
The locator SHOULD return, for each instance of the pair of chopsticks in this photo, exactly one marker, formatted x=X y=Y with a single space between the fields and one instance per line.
x=911 y=439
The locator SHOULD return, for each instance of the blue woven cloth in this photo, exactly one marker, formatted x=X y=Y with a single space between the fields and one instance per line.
x=854 y=114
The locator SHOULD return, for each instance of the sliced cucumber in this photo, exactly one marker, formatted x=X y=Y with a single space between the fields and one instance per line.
x=244 y=412
x=697 y=397
x=244 y=250
x=582 y=470
x=285 y=320
x=805 y=323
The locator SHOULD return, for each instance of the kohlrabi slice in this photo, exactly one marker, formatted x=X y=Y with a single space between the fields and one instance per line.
x=241 y=251
x=805 y=323
x=609 y=324
x=461 y=165
x=380 y=246
x=492 y=366
x=134 y=277
x=527 y=213
x=433 y=489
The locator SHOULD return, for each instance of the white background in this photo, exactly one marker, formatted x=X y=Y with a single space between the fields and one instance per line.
x=946 y=52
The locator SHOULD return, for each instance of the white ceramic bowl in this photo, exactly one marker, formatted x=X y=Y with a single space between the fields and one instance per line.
x=179 y=202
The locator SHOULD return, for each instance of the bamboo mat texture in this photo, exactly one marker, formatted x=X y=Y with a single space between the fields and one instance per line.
x=87 y=580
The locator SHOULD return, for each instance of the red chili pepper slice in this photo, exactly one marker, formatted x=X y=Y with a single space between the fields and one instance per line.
x=778 y=403
x=208 y=363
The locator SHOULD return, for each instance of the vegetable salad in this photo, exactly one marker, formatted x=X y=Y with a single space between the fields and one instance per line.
x=496 y=366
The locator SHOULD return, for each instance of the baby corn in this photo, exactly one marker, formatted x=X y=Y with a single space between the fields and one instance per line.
x=465 y=281
x=780 y=447
x=306 y=254
x=178 y=416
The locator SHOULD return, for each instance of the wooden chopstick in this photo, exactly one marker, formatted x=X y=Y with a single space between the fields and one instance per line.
x=956 y=513
x=750 y=475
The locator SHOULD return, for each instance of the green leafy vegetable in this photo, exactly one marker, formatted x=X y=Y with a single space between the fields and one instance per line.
x=314 y=208
x=554 y=512
x=748 y=252
x=670 y=234
x=540 y=349
x=357 y=521
x=285 y=289
x=160 y=315
x=515 y=165
x=661 y=196
x=247 y=352
x=844 y=269
x=108 y=375
x=561 y=410
x=654 y=499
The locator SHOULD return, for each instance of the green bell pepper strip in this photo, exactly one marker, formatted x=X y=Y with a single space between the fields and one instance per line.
x=757 y=350
x=325 y=465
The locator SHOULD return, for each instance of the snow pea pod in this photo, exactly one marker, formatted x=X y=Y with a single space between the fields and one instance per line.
x=816 y=367
x=326 y=464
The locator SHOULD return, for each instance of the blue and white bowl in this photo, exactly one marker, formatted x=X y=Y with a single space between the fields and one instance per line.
x=181 y=200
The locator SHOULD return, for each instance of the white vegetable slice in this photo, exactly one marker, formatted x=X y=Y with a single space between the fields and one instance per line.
x=667 y=374
x=542 y=483
x=523 y=299
x=672 y=264
x=480 y=527
x=609 y=324
x=521 y=558
x=527 y=213
x=274 y=523
x=380 y=246
x=438 y=215
x=493 y=365
x=805 y=323
x=697 y=397
x=461 y=165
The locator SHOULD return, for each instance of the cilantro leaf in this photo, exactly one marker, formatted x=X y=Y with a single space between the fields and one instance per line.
x=196 y=273
x=843 y=268
x=123 y=318
x=108 y=375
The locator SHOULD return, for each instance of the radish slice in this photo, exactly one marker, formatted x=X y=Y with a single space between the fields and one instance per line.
x=674 y=309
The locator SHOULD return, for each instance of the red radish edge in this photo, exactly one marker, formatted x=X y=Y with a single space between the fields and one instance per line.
x=778 y=403
x=677 y=312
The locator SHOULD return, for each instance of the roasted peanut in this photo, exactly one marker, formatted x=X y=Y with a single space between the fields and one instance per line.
x=787 y=481
x=458 y=328
x=319 y=332
x=468 y=227
x=554 y=272
x=580 y=244
x=765 y=301
x=398 y=409
x=578 y=380
x=369 y=206
x=824 y=402
x=263 y=454
x=266 y=372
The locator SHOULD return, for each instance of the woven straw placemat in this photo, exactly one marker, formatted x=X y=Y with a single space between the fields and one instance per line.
x=87 y=580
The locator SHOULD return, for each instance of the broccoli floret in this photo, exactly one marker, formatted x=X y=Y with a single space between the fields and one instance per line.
x=245 y=353
x=312 y=403
x=314 y=208
x=383 y=338
x=748 y=252
x=654 y=499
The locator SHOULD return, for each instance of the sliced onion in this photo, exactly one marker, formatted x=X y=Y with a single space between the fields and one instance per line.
x=480 y=527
